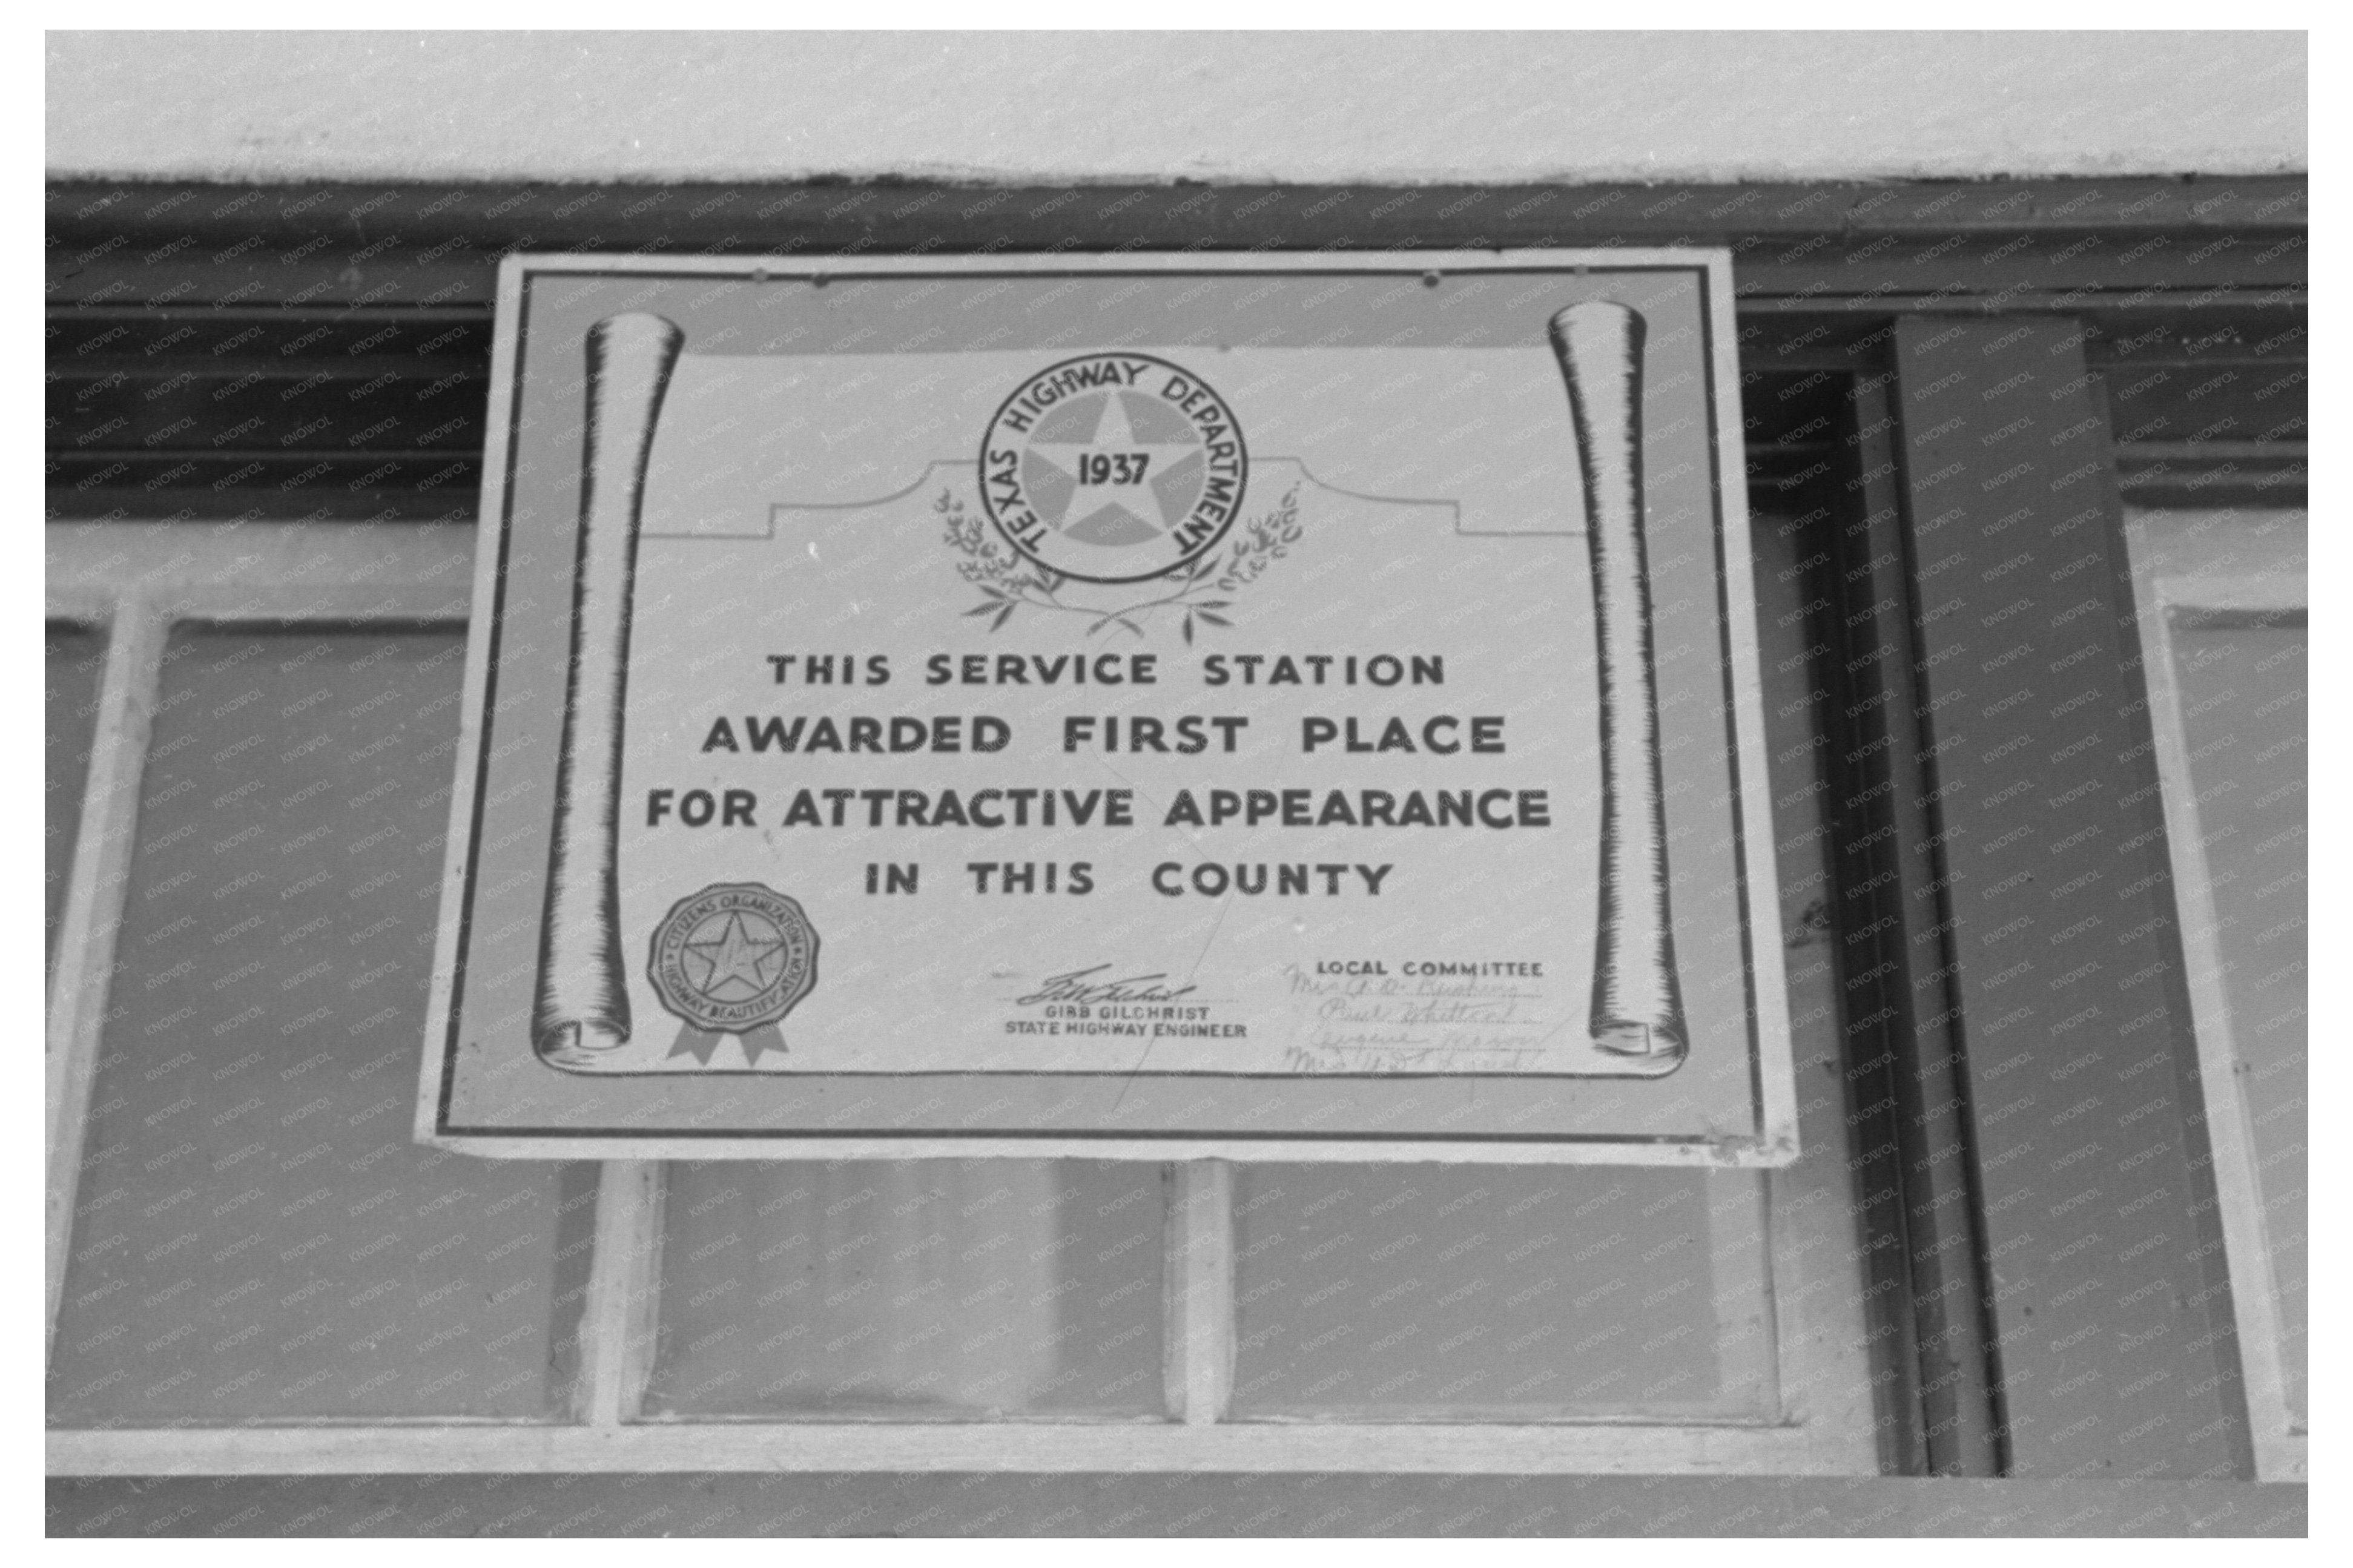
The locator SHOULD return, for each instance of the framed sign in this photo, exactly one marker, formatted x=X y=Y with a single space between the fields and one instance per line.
x=1152 y=706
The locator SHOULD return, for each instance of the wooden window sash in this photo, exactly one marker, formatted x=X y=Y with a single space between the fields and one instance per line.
x=139 y=580
x=2258 y=578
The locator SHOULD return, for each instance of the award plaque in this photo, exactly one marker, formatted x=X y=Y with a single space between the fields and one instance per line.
x=1279 y=707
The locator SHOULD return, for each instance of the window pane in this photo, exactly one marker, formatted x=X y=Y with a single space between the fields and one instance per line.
x=2243 y=703
x=2223 y=597
x=75 y=659
x=256 y=1234
x=949 y=1289
x=1441 y=1289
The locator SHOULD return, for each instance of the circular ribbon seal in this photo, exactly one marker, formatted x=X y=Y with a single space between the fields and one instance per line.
x=1114 y=467
x=733 y=957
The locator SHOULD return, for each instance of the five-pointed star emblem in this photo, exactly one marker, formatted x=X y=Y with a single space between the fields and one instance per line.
x=734 y=955
x=1114 y=433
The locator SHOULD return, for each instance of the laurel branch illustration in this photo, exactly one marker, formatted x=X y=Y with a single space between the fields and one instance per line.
x=1009 y=581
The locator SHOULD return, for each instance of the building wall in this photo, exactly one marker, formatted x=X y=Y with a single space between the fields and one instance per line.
x=1213 y=106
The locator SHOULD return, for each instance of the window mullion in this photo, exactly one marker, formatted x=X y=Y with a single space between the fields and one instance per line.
x=1198 y=1340
x=92 y=916
x=618 y=1322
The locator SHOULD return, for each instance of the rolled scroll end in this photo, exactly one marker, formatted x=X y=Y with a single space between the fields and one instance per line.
x=1638 y=1002
x=571 y=1044
x=1602 y=339
x=628 y=352
x=1664 y=1041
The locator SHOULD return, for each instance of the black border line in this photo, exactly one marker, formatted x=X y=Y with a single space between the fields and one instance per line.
x=1740 y=888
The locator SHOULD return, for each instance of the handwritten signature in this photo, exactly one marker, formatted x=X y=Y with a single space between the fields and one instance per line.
x=1075 y=987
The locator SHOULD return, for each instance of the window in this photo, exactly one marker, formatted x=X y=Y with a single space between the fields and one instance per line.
x=258 y=1251
x=252 y=1270
x=2221 y=602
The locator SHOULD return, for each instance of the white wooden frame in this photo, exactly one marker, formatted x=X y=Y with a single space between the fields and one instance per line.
x=2198 y=561
x=137 y=580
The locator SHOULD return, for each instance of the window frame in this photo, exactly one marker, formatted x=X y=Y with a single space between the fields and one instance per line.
x=2274 y=579
x=137 y=582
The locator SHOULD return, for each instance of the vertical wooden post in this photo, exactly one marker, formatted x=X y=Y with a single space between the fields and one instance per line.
x=2108 y=1314
x=1895 y=963
x=619 y=1323
x=92 y=916
x=1197 y=1343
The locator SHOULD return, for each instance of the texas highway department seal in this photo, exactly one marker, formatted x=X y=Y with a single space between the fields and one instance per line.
x=1114 y=467
x=732 y=958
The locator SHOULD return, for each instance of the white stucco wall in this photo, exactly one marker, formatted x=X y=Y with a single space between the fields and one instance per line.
x=1303 y=107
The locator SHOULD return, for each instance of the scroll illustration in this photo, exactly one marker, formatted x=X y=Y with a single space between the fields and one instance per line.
x=581 y=1009
x=581 y=1013
x=1638 y=1012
